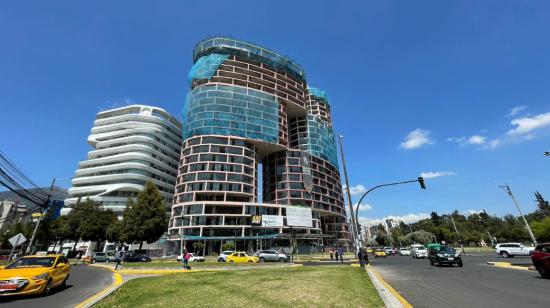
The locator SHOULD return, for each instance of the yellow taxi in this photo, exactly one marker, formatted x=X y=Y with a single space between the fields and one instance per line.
x=34 y=275
x=370 y=250
x=380 y=253
x=241 y=257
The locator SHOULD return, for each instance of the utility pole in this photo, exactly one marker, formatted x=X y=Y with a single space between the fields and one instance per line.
x=508 y=190
x=458 y=234
x=44 y=211
x=353 y=218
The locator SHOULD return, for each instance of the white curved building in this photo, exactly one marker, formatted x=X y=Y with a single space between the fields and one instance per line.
x=132 y=145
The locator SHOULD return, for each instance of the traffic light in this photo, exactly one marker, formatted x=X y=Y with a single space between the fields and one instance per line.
x=421 y=182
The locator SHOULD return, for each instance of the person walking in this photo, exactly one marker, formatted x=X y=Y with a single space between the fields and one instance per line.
x=336 y=256
x=119 y=255
x=341 y=254
x=331 y=255
x=186 y=257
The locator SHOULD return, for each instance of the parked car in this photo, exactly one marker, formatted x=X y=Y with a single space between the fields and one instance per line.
x=380 y=253
x=135 y=257
x=223 y=256
x=192 y=258
x=509 y=250
x=34 y=275
x=272 y=255
x=100 y=257
x=418 y=251
x=404 y=251
x=541 y=259
x=241 y=257
x=442 y=255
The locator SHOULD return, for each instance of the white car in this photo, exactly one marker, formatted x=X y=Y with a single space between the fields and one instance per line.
x=418 y=251
x=192 y=258
x=509 y=250
x=404 y=252
x=223 y=256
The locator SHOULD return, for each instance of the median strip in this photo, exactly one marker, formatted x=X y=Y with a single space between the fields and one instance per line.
x=508 y=265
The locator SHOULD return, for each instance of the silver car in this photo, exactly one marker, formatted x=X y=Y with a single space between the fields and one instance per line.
x=272 y=255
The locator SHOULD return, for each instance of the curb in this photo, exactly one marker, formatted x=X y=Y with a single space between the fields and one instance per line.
x=508 y=265
x=389 y=296
x=90 y=301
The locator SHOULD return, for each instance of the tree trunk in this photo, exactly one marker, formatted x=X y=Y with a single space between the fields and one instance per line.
x=140 y=245
x=74 y=246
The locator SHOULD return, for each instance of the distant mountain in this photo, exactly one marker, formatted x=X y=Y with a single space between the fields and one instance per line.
x=57 y=193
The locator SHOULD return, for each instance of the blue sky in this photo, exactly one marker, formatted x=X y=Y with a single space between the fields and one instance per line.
x=458 y=89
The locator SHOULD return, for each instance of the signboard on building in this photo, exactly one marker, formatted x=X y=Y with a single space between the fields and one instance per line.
x=298 y=216
x=307 y=178
x=272 y=220
x=256 y=220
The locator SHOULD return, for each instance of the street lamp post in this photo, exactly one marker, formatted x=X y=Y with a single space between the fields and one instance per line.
x=420 y=180
x=507 y=189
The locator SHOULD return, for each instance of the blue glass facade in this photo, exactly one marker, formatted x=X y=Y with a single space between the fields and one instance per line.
x=206 y=67
x=249 y=50
x=318 y=94
x=320 y=141
x=231 y=111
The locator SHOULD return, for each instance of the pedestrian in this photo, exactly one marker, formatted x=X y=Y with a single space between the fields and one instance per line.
x=186 y=257
x=336 y=256
x=331 y=255
x=119 y=255
x=341 y=254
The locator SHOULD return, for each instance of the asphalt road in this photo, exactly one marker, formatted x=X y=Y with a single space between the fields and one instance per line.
x=84 y=282
x=474 y=285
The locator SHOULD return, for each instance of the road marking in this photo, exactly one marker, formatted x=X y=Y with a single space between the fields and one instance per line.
x=117 y=281
x=400 y=298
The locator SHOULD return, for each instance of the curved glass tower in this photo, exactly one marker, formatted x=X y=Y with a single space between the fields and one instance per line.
x=251 y=108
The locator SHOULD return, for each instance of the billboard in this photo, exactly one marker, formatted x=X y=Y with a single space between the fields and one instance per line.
x=272 y=220
x=307 y=178
x=298 y=216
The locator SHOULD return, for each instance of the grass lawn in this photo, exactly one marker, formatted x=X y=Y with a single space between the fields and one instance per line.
x=315 y=286
x=476 y=249
x=176 y=264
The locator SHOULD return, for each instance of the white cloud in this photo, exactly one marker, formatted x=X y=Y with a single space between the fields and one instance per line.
x=408 y=218
x=416 y=139
x=472 y=140
x=471 y=212
x=363 y=207
x=477 y=139
x=436 y=174
x=514 y=111
x=493 y=144
x=357 y=190
x=525 y=126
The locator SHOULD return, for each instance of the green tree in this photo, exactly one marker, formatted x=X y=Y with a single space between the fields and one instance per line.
x=419 y=237
x=95 y=221
x=198 y=246
x=145 y=220
x=228 y=246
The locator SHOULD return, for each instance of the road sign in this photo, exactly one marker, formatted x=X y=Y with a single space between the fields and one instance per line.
x=17 y=239
x=298 y=216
